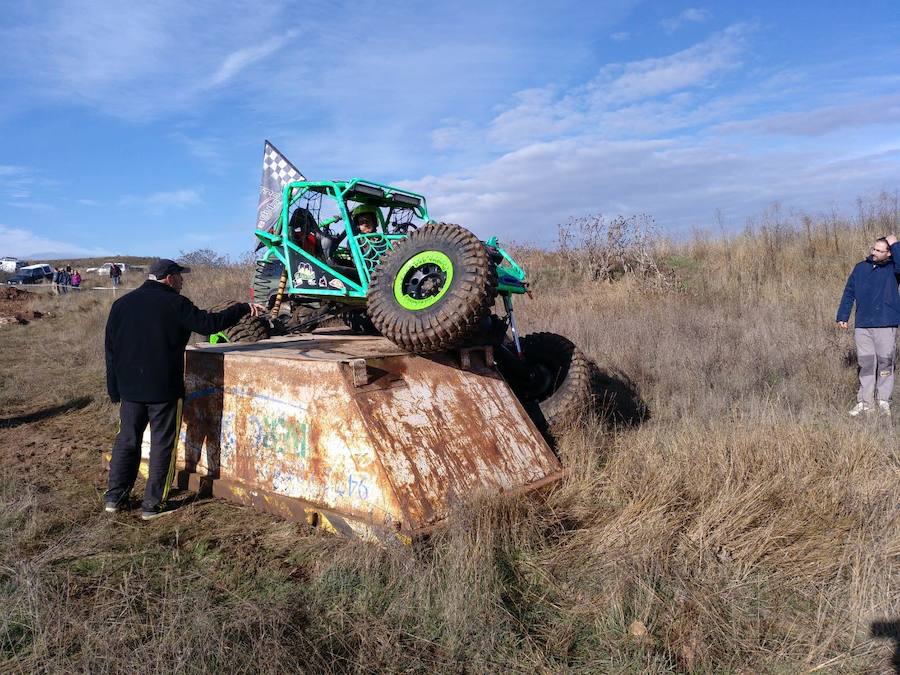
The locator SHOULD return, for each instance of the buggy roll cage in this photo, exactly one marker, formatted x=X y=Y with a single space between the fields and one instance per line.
x=364 y=259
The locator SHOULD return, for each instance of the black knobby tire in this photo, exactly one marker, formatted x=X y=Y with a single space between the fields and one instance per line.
x=248 y=329
x=456 y=315
x=563 y=390
x=219 y=307
x=301 y=315
x=266 y=278
x=358 y=321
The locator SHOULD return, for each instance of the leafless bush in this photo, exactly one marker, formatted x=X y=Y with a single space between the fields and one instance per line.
x=204 y=257
x=879 y=216
x=609 y=249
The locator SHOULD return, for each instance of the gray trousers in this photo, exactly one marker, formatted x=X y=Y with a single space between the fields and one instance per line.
x=875 y=350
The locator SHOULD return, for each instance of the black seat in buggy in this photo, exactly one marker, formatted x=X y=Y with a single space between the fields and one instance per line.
x=302 y=224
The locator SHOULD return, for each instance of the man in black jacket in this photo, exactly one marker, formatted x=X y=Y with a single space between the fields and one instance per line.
x=146 y=333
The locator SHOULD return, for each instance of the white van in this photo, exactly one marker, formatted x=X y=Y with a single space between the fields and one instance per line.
x=9 y=264
x=103 y=270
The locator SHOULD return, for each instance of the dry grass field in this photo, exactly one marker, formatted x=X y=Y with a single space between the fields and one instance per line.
x=746 y=525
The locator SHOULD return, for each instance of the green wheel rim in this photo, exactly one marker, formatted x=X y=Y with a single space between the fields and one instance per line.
x=217 y=338
x=419 y=262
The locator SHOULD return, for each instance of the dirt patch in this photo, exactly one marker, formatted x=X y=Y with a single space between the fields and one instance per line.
x=14 y=306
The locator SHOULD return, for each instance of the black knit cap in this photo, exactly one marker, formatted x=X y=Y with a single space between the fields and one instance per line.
x=164 y=267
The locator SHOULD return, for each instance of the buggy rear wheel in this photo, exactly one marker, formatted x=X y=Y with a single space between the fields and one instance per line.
x=556 y=384
x=266 y=278
x=248 y=329
x=432 y=290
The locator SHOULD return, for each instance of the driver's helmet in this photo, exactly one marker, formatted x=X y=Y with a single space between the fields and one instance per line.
x=360 y=210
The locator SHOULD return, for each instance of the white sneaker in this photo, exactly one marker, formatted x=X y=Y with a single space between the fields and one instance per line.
x=884 y=408
x=861 y=408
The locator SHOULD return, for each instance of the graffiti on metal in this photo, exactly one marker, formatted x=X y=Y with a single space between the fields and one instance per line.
x=384 y=441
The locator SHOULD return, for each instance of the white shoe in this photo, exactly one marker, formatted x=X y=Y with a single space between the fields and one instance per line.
x=861 y=408
x=884 y=408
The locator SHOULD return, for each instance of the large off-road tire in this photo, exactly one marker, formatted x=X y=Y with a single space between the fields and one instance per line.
x=561 y=389
x=266 y=278
x=248 y=329
x=302 y=315
x=431 y=292
x=219 y=337
x=358 y=321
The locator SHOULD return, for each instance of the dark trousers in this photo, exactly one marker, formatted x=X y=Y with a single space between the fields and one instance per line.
x=165 y=420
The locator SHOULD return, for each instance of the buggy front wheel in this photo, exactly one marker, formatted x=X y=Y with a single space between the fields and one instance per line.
x=432 y=290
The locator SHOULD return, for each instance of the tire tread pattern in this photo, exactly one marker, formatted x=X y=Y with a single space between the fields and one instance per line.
x=456 y=317
x=248 y=329
x=573 y=395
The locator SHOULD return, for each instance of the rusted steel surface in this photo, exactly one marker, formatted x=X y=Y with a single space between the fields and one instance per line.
x=354 y=432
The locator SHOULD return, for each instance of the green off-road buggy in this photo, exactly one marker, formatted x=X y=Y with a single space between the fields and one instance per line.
x=371 y=256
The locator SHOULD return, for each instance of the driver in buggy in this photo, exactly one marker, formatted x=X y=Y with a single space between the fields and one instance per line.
x=365 y=218
x=365 y=221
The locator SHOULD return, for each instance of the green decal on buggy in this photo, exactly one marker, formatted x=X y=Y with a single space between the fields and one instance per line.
x=217 y=338
x=423 y=280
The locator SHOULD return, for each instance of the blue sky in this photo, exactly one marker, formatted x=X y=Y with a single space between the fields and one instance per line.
x=138 y=128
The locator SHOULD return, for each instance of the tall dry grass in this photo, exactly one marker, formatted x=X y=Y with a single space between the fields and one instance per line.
x=747 y=526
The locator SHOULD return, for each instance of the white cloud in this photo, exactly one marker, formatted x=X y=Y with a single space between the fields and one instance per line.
x=525 y=194
x=24 y=243
x=135 y=61
x=452 y=134
x=690 y=15
x=16 y=182
x=659 y=87
x=655 y=136
x=242 y=58
x=690 y=67
x=157 y=201
x=32 y=206
x=825 y=119
x=176 y=198
x=621 y=36
x=207 y=149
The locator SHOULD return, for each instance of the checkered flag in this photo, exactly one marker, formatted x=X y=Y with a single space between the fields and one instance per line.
x=277 y=172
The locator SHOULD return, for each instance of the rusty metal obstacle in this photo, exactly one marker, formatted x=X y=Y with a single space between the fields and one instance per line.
x=352 y=434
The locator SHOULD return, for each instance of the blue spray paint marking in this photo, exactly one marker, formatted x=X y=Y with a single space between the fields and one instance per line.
x=240 y=391
x=200 y=393
x=353 y=485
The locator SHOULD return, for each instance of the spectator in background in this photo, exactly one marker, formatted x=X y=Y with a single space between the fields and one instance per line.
x=54 y=281
x=872 y=286
x=115 y=274
x=76 y=279
x=64 y=280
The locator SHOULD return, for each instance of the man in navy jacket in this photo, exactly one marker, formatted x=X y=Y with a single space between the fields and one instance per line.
x=146 y=333
x=873 y=287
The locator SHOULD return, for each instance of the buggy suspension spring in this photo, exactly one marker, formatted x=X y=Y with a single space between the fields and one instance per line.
x=279 y=296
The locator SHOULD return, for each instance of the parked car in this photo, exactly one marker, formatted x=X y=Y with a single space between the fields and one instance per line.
x=9 y=264
x=103 y=270
x=31 y=274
